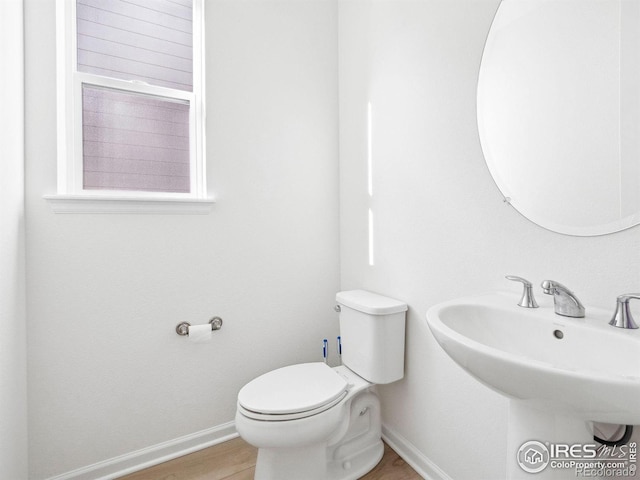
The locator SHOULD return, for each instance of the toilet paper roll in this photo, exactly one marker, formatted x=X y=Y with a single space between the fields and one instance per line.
x=200 y=333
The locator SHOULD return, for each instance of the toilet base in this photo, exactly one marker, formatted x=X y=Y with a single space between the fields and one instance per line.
x=310 y=463
x=304 y=463
x=357 y=465
x=354 y=449
x=360 y=447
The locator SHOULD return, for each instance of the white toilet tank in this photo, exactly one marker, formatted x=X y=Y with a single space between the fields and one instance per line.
x=372 y=335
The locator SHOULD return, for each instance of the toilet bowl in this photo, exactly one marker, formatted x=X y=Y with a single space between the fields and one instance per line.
x=314 y=422
x=304 y=434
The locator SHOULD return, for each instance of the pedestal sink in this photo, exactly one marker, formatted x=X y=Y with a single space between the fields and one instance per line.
x=560 y=373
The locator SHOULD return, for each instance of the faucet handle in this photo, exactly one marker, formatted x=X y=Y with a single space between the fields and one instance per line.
x=622 y=317
x=526 y=282
x=527 y=300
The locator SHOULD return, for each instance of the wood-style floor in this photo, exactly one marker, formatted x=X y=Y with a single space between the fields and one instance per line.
x=236 y=460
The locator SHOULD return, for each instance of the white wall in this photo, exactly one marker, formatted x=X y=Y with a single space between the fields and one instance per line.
x=107 y=373
x=441 y=229
x=13 y=385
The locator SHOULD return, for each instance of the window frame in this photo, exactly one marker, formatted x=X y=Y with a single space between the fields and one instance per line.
x=69 y=116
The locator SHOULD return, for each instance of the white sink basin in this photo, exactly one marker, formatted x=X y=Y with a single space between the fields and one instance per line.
x=591 y=372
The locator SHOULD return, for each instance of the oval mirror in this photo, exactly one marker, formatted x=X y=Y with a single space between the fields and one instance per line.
x=559 y=112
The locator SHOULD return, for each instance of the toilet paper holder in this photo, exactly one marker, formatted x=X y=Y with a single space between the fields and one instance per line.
x=182 y=328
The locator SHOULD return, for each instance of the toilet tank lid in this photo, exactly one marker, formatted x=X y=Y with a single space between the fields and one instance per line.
x=371 y=303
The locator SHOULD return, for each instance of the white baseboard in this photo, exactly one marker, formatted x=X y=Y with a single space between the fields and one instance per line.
x=162 y=452
x=414 y=457
x=153 y=455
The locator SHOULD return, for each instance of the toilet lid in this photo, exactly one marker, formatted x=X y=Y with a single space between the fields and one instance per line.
x=293 y=389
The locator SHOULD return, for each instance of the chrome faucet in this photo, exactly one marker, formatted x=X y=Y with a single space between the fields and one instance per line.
x=564 y=300
x=527 y=300
x=622 y=317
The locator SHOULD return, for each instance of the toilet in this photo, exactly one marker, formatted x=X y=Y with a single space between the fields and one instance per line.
x=313 y=422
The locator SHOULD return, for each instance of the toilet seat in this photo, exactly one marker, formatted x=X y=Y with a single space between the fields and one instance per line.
x=292 y=392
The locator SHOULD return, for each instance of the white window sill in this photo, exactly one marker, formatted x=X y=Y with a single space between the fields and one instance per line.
x=140 y=205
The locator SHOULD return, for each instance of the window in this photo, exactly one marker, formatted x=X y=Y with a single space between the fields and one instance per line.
x=130 y=99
